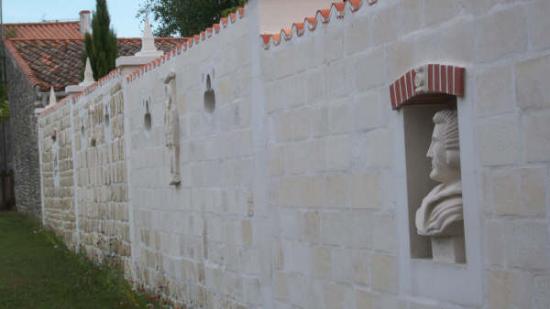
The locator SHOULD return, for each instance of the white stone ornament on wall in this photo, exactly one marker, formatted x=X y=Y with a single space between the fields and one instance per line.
x=52 y=100
x=148 y=48
x=440 y=215
x=88 y=75
x=88 y=80
x=148 y=52
x=420 y=83
x=172 y=128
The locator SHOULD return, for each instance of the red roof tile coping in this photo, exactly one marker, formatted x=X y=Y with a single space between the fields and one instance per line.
x=323 y=15
x=429 y=79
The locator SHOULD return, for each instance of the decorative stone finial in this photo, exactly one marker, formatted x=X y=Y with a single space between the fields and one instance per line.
x=88 y=80
x=88 y=75
x=53 y=100
x=148 y=42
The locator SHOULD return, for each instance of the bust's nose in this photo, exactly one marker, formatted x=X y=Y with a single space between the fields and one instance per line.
x=429 y=154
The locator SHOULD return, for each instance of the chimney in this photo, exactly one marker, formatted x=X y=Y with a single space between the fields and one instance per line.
x=85 y=22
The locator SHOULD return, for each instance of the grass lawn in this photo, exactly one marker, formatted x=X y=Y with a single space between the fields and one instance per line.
x=37 y=271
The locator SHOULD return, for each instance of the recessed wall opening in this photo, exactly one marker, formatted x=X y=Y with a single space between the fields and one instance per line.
x=427 y=97
x=419 y=150
x=55 y=154
x=147 y=120
x=107 y=119
x=83 y=138
x=93 y=142
x=209 y=96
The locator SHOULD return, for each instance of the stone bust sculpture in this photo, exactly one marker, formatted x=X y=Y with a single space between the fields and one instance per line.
x=172 y=128
x=440 y=214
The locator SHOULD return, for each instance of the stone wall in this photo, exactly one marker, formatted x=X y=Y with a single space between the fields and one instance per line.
x=101 y=194
x=294 y=188
x=330 y=151
x=84 y=173
x=57 y=170
x=23 y=140
x=6 y=158
x=194 y=242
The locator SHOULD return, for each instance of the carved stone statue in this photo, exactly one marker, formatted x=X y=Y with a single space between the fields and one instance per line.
x=440 y=214
x=172 y=129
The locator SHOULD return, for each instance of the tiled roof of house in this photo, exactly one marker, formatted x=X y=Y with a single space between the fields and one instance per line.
x=49 y=59
x=130 y=46
x=45 y=30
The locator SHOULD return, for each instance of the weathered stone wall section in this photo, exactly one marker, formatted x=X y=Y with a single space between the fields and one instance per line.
x=56 y=149
x=195 y=243
x=326 y=226
x=101 y=190
x=23 y=140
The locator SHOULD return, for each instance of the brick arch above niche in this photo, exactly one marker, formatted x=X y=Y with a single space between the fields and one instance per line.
x=426 y=84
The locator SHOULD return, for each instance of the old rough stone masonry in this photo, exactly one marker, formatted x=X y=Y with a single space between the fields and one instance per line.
x=376 y=154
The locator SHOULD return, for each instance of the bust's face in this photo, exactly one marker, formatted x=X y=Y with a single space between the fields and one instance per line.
x=443 y=169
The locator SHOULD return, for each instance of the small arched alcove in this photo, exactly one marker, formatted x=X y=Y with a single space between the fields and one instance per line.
x=107 y=118
x=147 y=119
x=55 y=157
x=83 y=138
x=209 y=96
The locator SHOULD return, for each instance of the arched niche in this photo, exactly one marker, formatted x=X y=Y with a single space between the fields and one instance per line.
x=419 y=95
x=209 y=96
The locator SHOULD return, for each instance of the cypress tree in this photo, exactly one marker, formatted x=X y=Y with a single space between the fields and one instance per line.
x=101 y=45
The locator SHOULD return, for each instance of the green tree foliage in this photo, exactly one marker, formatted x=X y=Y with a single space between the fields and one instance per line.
x=187 y=17
x=101 y=45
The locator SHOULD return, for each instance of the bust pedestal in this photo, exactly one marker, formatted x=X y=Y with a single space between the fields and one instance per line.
x=448 y=249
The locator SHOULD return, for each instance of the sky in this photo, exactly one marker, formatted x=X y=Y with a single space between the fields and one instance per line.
x=123 y=12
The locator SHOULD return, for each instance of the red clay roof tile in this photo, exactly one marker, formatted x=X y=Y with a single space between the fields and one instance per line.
x=59 y=62
x=51 y=53
x=46 y=30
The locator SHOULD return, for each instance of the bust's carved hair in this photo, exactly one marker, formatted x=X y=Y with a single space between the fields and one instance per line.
x=449 y=121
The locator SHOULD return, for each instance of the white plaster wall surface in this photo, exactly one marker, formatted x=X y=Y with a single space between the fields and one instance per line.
x=293 y=190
